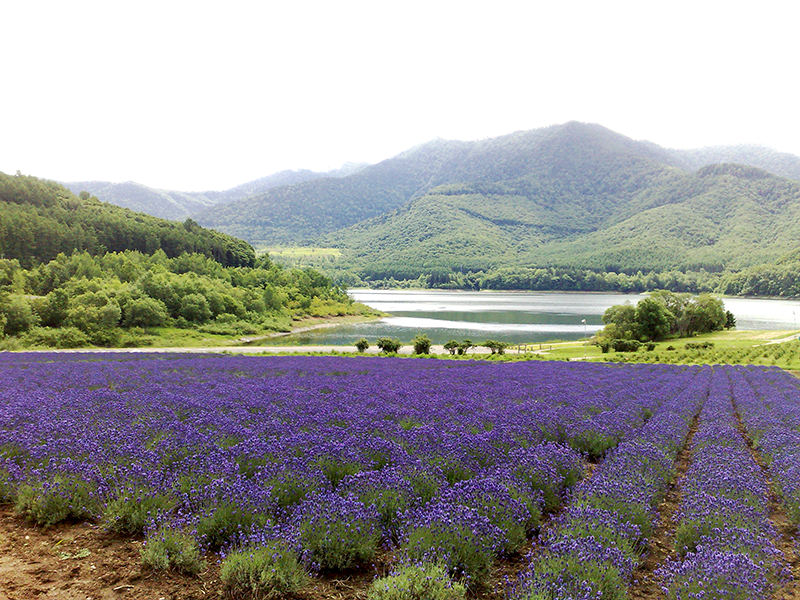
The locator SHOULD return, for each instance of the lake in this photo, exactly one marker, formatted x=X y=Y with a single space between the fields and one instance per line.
x=513 y=317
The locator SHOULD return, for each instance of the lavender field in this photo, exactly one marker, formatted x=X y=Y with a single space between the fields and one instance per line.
x=318 y=465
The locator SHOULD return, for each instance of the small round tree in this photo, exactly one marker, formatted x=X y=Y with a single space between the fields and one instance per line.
x=422 y=344
x=388 y=345
x=452 y=346
x=362 y=345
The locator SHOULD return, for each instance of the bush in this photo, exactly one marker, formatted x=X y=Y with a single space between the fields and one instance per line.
x=168 y=548
x=63 y=337
x=265 y=573
x=572 y=576
x=340 y=532
x=622 y=345
x=52 y=502
x=425 y=581
x=131 y=512
x=493 y=500
x=362 y=345
x=226 y=521
x=422 y=344
x=388 y=345
x=699 y=345
x=145 y=312
x=463 y=539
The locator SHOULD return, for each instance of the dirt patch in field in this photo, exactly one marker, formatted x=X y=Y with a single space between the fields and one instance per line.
x=80 y=561
x=647 y=585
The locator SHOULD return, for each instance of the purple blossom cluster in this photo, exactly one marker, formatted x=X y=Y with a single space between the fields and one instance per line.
x=595 y=545
x=724 y=537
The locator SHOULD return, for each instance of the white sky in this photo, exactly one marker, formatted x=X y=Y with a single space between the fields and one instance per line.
x=195 y=95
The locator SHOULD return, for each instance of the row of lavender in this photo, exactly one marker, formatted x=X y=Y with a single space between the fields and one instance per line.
x=315 y=450
x=725 y=541
x=770 y=409
x=601 y=538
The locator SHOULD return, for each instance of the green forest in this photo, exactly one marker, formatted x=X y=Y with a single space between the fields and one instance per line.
x=40 y=219
x=77 y=272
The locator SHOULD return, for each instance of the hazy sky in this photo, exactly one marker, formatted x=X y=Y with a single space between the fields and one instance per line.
x=195 y=95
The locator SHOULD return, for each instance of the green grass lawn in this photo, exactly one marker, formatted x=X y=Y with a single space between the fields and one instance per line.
x=770 y=348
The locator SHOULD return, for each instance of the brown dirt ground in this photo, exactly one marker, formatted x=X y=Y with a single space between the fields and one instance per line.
x=81 y=561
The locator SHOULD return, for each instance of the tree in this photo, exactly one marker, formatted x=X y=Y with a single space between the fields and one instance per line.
x=19 y=315
x=653 y=320
x=145 y=312
x=362 y=345
x=730 y=320
x=451 y=346
x=388 y=345
x=465 y=345
x=706 y=314
x=194 y=308
x=495 y=346
x=623 y=318
x=422 y=344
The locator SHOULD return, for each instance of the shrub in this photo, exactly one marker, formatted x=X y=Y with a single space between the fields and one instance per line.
x=579 y=575
x=424 y=581
x=131 y=512
x=168 y=548
x=265 y=573
x=699 y=345
x=340 y=532
x=387 y=490
x=63 y=337
x=422 y=344
x=362 y=345
x=225 y=522
x=459 y=537
x=52 y=502
x=494 y=501
x=388 y=345
x=621 y=345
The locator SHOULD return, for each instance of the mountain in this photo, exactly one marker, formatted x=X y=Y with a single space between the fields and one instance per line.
x=177 y=206
x=306 y=211
x=165 y=204
x=778 y=163
x=40 y=219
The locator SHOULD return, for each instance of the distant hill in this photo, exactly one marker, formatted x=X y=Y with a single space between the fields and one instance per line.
x=165 y=204
x=306 y=211
x=778 y=163
x=177 y=206
x=40 y=219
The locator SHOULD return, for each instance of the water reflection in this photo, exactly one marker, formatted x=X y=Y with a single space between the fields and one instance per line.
x=513 y=317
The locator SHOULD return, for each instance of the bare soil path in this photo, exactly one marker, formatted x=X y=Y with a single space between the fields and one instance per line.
x=647 y=586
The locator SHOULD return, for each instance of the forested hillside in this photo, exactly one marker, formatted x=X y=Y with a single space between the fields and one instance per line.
x=583 y=158
x=40 y=219
x=75 y=271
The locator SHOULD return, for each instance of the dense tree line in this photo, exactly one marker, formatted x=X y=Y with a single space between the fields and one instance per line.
x=112 y=299
x=40 y=219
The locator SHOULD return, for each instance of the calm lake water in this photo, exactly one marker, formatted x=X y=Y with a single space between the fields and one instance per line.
x=513 y=317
